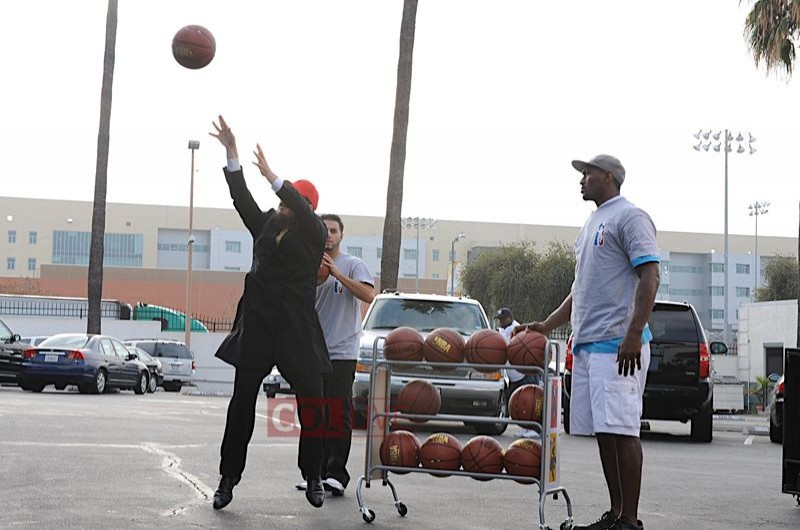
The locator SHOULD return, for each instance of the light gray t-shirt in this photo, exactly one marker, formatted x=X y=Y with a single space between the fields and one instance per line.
x=340 y=311
x=617 y=238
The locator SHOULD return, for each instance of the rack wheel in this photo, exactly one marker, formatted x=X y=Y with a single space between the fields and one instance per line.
x=368 y=515
x=402 y=509
x=566 y=525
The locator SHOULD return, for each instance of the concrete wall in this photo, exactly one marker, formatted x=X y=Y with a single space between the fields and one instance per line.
x=760 y=324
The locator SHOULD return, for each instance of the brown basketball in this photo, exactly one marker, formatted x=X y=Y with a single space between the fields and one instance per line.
x=444 y=345
x=323 y=273
x=418 y=397
x=482 y=454
x=440 y=451
x=403 y=344
x=486 y=346
x=193 y=47
x=399 y=449
x=527 y=349
x=523 y=457
x=527 y=403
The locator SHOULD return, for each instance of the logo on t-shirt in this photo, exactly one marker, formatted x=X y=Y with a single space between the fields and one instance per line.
x=338 y=288
x=600 y=235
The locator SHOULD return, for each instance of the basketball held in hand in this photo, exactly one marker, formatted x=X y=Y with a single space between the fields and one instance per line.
x=193 y=47
x=323 y=273
x=527 y=348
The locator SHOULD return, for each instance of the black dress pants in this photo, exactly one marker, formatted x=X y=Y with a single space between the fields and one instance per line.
x=242 y=415
x=338 y=389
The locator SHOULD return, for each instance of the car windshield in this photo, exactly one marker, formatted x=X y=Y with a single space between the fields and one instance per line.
x=143 y=355
x=5 y=333
x=425 y=315
x=673 y=323
x=65 y=341
x=172 y=349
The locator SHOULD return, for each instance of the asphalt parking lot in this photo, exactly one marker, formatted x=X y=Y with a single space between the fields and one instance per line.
x=124 y=461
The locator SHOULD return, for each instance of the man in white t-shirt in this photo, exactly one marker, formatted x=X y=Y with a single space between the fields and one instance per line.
x=506 y=325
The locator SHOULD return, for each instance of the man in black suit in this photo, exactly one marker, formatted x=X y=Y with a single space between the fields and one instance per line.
x=276 y=323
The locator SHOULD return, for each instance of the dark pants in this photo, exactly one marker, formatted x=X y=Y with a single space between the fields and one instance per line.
x=338 y=389
x=242 y=416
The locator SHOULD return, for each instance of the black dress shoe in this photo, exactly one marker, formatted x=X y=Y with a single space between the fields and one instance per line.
x=224 y=494
x=315 y=492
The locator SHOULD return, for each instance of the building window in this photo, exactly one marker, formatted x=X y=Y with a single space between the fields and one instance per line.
x=435 y=255
x=716 y=290
x=354 y=251
x=11 y=264
x=232 y=269
x=12 y=236
x=435 y=275
x=33 y=237
x=717 y=267
x=689 y=269
x=743 y=292
x=379 y=253
x=233 y=246
x=121 y=250
x=32 y=264
x=742 y=268
x=716 y=314
x=409 y=253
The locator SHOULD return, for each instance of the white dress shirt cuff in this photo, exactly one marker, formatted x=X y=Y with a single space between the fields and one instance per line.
x=234 y=165
x=277 y=185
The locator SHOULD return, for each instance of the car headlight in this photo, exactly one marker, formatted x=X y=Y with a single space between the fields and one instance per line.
x=490 y=376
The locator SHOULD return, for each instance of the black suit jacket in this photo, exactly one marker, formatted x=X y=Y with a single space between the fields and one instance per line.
x=276 y=322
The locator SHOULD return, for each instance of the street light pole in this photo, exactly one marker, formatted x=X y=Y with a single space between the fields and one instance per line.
x=193 y=146
x=418 y=223
x=756 y=209
x=461 y=235
x=725 y=144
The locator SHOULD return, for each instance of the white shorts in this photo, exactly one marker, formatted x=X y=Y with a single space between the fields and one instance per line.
x=601 y=400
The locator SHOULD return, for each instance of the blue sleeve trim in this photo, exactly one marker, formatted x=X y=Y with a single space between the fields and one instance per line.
x=650 y=258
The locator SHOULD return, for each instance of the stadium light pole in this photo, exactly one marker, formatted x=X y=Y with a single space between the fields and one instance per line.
x=418 y=223
x=461 y=235
x=193 y=146
x=756 y=209
x=724 y=143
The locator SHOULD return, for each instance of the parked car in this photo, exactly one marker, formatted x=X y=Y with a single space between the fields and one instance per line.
x=34 y=340
x=275 y=383
x=176 y=360
x=96 y=363
x=679 y=385
x=776 y=412
x=463 y=390
x=11 y=350
x=153 y=366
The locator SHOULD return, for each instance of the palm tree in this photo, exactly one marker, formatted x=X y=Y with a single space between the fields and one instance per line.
x=392 y=230
x=772 y=31
x=95 y=287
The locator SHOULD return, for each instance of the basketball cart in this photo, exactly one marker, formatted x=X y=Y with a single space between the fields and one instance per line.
x=379 y=417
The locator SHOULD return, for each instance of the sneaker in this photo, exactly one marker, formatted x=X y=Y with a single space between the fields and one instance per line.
x=334 y=486
x=528 y=433
x=607 y=521
x=301 y=486
x=623 y=523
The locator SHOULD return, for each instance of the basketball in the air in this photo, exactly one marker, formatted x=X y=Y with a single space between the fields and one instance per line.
x=403 y=344
x=482 y=454
x=419 y=397
x=441 y=451
x=527 y=348
x=527 y=403
x=486 y=346
x=399 y=449
x=523 y=457
x=444 y=345
x=193 y=47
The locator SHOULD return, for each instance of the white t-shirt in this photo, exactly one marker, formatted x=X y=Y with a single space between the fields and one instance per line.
x=513 y=375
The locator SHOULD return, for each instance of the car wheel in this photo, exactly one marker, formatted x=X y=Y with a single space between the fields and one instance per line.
x=172 y=387
x=85 y=388
x=100 y=380
x=36 y=387
x=142 y=382
x=566 y=414
x=61 y=386
x=702 y=425
x=153 y=384
x=775 y=433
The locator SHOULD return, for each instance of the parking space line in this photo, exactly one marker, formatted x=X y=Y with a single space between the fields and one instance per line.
x=749 y=440
x=170 y=464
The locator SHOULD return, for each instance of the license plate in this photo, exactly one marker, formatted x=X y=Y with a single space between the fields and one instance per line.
x=51 y=358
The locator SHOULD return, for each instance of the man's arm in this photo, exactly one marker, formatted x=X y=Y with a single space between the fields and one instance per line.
x=557 y=318
x=630 y=351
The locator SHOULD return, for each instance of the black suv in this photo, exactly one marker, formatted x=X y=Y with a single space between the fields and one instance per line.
x=679 y=385
x=11 y=350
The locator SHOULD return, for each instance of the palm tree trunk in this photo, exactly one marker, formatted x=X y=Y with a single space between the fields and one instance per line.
x=96 y=250
x=392 y=230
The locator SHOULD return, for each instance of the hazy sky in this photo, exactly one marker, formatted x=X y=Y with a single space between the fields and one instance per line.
x=505 y=94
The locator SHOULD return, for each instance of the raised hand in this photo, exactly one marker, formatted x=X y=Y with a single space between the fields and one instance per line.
x=263 y=167
x=225 y=137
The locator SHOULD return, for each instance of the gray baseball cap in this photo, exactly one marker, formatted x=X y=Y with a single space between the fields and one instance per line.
x=606 y=163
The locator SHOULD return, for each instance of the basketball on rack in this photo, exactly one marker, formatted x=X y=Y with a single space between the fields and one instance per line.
x=193 y=47
x=403 y=344
x=440 y=451
x=523 y=457
x=482 y=454
x=323 y=273
x=399 y=449
x=419 y=397
x=486 y=346
x=527 y=403
x=444 y=345
x=527 y=348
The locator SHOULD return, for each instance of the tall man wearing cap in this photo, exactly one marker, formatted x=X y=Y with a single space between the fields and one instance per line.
x=275 y=323
x=506 y=325
x=616 y=280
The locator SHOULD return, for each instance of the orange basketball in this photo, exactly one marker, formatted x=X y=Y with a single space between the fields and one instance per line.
x=419 y=397
x=527 y=403
x=399 y=449
x=403 y=344
x=482 y=454
x=527 y=348
x=486 y=346
x=323 y=273
x=193 y=47
x=440 y=451
x=523 y=458
x=444 y=345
